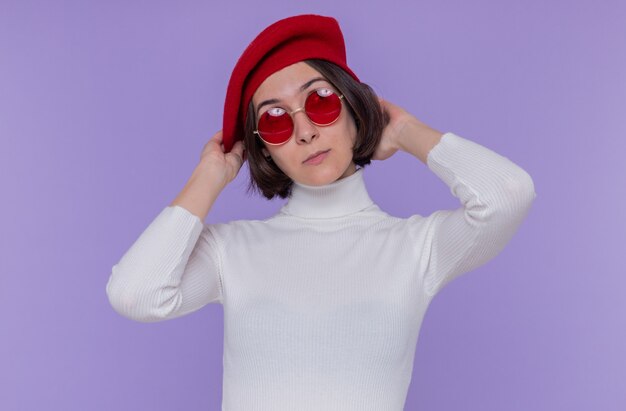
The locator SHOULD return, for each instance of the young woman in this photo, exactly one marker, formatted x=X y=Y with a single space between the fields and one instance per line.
x=323 y=301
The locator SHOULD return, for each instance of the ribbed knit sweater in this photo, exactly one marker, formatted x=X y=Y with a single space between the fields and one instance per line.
x=323 y=301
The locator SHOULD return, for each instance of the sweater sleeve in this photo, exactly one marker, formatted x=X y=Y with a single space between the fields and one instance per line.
x=172 y=269
x=495 y=195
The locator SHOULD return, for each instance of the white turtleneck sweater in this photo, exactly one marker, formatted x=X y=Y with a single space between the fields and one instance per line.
x=323 y=302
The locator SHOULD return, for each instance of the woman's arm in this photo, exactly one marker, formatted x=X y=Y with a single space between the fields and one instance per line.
x=174 y=267
x=215 y=170
x=495 y=195
x=405 y=132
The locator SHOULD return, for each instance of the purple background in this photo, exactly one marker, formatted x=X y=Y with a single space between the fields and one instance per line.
x=104 y=110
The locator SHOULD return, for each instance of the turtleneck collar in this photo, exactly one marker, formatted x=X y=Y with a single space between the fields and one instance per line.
x=339 y=198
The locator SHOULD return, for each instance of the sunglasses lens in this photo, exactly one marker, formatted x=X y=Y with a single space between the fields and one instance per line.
x=275 y=126
x=323 y=106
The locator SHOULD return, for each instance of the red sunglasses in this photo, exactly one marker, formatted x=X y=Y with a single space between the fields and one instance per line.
x=322 y=106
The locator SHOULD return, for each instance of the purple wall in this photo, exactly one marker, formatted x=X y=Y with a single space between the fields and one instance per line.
x=104 y=110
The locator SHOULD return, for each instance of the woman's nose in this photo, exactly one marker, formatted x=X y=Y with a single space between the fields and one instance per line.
x=303 y=127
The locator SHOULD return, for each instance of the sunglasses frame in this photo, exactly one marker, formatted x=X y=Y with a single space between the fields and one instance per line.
x=341 y=96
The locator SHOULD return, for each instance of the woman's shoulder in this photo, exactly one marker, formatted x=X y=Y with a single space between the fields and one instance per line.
x=238 y=227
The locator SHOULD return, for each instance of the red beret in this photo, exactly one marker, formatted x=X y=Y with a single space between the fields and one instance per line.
x=281 y=44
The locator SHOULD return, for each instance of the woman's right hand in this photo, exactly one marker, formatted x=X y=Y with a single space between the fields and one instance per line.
x=225 y=165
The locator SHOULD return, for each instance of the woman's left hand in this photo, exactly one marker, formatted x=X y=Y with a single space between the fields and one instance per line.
x=393 y=133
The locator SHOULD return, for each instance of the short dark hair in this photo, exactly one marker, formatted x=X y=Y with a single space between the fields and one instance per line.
x=363 y=105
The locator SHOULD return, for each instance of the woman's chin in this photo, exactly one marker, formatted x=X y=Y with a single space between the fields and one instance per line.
x=324 y=174
x=319 y=178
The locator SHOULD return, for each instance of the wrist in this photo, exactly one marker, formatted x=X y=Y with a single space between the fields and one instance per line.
x=418 y=139
x=210 y=176
x=406 y=134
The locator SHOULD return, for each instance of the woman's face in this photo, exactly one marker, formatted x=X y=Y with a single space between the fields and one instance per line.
x=307 y=138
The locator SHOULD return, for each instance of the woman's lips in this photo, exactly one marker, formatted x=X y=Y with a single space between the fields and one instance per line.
x=318 y=158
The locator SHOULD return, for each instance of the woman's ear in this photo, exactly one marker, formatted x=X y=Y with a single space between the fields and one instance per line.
x=265 y=152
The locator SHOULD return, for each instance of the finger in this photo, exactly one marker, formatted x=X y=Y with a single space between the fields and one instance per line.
x=238 y=148
x=216 y=140
x=218 y=136
x=239 y=158
x=383 y=103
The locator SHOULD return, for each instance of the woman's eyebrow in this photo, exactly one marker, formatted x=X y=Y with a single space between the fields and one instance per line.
x=302 y=88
